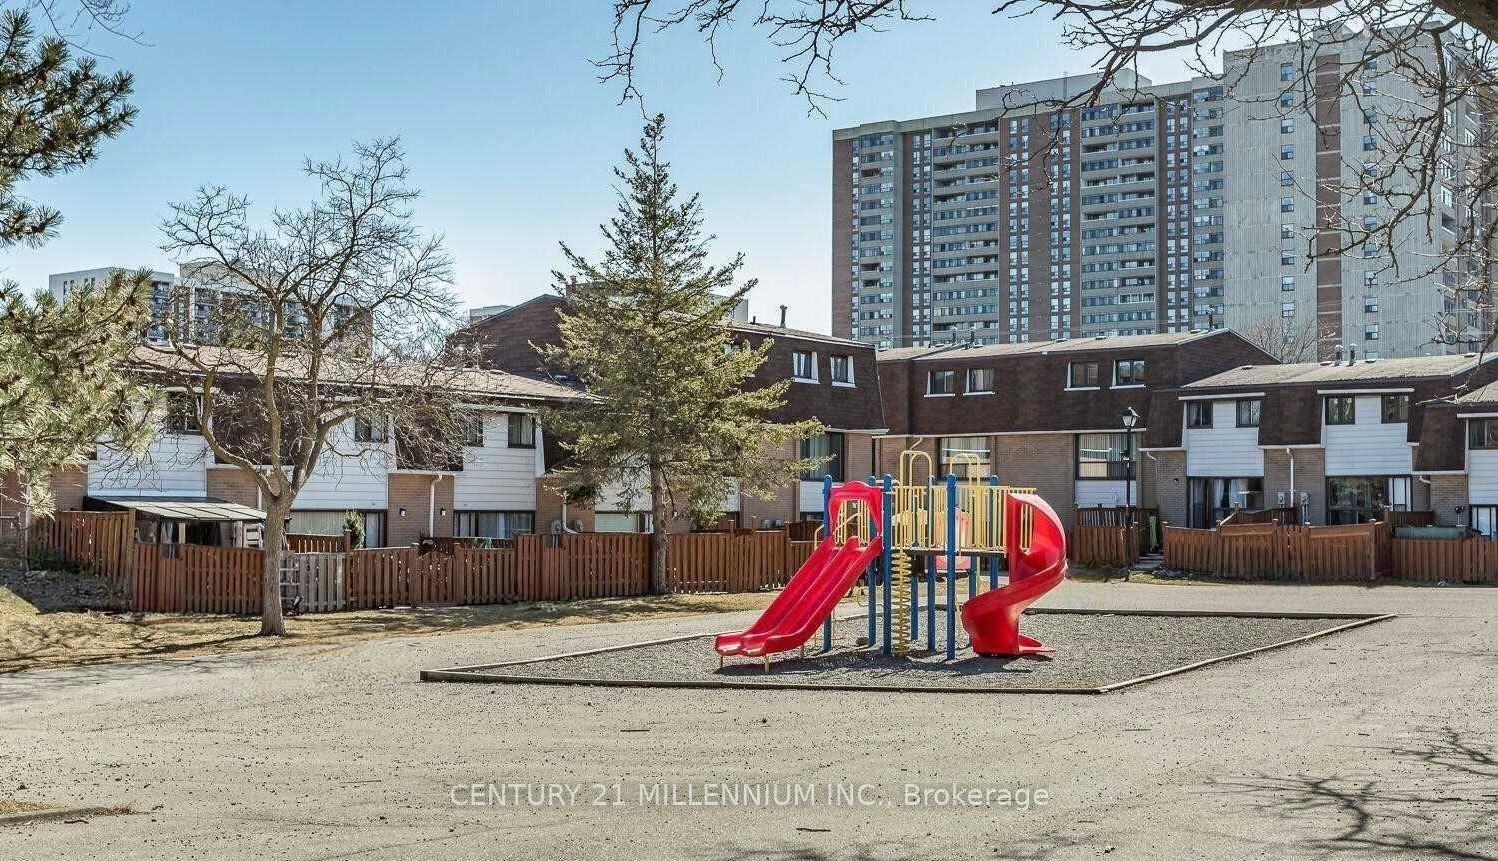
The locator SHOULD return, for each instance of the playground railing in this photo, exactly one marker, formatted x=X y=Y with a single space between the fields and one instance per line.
x=919 y=519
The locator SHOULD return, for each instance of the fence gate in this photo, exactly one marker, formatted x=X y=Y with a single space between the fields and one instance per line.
x=319 y=581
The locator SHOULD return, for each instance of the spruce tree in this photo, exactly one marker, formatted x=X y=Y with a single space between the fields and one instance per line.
x=644 y=330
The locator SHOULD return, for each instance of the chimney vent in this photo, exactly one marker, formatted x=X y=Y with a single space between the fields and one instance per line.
x=1338 y=355
x=783 y=309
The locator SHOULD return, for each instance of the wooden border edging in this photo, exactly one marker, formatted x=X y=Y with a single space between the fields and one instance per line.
x=1358 y=623
x=479 y=672
x=53 y=813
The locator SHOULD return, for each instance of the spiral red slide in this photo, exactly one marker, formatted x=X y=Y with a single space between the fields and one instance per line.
x=992 y=619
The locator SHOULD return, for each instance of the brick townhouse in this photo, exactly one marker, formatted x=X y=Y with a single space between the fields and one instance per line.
x=180 y=493
x=832 y=379
x=1046 y=414
x=1339 y=440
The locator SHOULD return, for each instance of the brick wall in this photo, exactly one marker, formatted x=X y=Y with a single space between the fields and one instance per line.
x=1447 y=494
x=1163 y=484
x=412 y=491
x=1310 y=477
x=1042 y=461
x=549 y=508
x=69 y=486
x=888 y=457
x=230 y=484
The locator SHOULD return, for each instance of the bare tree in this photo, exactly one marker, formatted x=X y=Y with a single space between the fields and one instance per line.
x=319 y=338
x=1285 y=339
x=1422 y=73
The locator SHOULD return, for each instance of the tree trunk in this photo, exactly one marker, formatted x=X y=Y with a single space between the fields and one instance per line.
x=658 y=535
x=271 y=622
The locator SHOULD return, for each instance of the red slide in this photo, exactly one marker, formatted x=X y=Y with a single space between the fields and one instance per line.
x=814 y=591
x=992 y=619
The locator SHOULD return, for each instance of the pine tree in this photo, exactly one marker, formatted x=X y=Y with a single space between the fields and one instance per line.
x=644 y=329
x=63 y=382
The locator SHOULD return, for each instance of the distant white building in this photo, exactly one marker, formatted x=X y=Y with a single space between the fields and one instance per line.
x=164 y=285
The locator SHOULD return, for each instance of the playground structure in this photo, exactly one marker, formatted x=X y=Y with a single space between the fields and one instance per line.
x=959 y=527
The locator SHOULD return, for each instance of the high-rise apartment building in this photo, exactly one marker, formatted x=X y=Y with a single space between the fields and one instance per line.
x=1156 y=208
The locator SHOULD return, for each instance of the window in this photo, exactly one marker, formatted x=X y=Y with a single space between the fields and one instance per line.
x=1287 y=178
x=373 y=428
x=1394 y=408
x=1287 y=257
x=1212 y=499
x=1248 y=412
x=1287 y=152
x=979 y=380
x=1370 y=304
x=1287 y=283
x=1287 y=231
x=1482 y=433
x=941 y=382
x=1287 y=126
x=621 y=521
x=1287 y=72
x=473 y=430
x=1370 y=332
x=1341 y=410
x=1287 y=310
x=1287 y=204
x=1484 y=519
x=1363 y=499
x=804 y=365
x=182 y=412
x=493 y=524
x=842 y=369
x=1370 y=88
x=1287 y=99
x=964 y=457
x=1105 y=455
x=1198 y=414
x=1082 y=375
x=1128 y=372
x=830 y=446
x=522 y=431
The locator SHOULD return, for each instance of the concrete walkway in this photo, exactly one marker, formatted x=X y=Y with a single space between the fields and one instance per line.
x=1375 y=743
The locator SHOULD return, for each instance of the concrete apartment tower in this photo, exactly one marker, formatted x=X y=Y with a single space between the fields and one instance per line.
x=1158 y=208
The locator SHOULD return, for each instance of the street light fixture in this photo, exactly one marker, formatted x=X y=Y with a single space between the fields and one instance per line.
x=1130 y=418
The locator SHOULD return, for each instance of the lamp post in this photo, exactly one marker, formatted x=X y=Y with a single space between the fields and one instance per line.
x=1130 y=418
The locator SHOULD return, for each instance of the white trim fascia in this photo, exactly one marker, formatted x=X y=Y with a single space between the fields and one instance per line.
x=1296 y=445
x=1438 y=472
x=941 y=394
x=844 y=385
x=1399 y=391
x=1083 y=389
x=976 y=394
x=1129 y=386
x=1477 y=415
x=1225 y=396
x=1164 y=448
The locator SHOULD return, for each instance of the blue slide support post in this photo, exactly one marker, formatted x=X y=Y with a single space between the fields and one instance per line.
x=951 y=566
x=827 y=526
x=869 y=578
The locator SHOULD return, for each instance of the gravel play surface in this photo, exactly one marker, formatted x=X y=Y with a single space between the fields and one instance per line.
x=1091 y=651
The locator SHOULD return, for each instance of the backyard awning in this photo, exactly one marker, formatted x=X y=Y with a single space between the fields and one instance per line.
x=186 y=509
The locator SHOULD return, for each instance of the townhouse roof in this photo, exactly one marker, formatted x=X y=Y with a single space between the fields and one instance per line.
x=1483 y=395
x=1360 y=371
x=475 y=381
x=1070 y=345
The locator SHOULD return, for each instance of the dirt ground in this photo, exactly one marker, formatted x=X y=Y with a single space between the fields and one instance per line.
x=58 y=618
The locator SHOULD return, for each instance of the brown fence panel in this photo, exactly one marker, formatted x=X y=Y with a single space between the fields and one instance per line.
x=101 y=540
x=379 y=577
x=307 y=542
x=1192 y=549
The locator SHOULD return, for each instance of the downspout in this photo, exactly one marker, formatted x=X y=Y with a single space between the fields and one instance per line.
x=432 y=506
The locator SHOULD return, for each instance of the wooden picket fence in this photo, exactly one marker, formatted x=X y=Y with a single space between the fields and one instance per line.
x=308 y=542
x=103 y=541
x=1329 y=554
x=739 y=561
x=320 y=581
x=1110 y=536
x=187 y=578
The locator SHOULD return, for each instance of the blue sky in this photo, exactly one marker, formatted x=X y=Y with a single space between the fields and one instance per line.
x=506 y=128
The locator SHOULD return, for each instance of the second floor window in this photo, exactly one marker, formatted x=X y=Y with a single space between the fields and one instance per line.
x=941 y=382
x=979 y=380
x=829 y=445
x=522 y=431
x=1128 y=372
x=1082 y=375
x=804 y=365
x=1341 y=410
x=473 y=430
x=842 y=369
x=370 y=428
x=964 y=457
x=182 y=412
x=1482 y=433
x=1248 y=412
x=1394 y=408
x=1198 y=414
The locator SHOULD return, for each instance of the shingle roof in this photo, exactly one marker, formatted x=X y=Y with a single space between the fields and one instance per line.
x=476 y=381
x=1072 y=345
x=1412 y=368
x=1487 y=394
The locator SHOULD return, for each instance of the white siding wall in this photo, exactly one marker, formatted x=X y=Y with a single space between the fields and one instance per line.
x=1090 y=493
x=1482 y=477
x=608 y=498
x=497 y=477
x=1367 y=447
x=1224 y=449
x=173 y=465
x=349 y=475
x=809 y=497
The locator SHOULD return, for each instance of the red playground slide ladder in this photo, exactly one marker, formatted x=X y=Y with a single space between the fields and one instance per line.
x=822 y=581
x=992 y=619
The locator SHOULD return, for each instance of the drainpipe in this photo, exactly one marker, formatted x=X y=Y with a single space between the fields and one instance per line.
x=432 y=506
